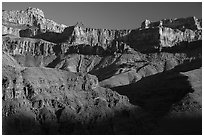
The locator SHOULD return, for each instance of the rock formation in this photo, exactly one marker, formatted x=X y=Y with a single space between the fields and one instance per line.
x=32 y=17
x=165 y=33
x=59 y=79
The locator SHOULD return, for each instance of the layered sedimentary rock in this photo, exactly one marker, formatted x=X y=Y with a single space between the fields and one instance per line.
x=97 y=40
x=32 y=17
x=90 y=36
x=181 y=23
x=151 y=35
x=57 y=79
x=130 y=68
x=27 y=51
x=23 y=46
x=165 y=33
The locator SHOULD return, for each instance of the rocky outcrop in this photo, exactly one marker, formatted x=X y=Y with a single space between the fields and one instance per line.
x=97 y=40
x=23 y=46
x=32 y=17
x=90 y=36
x=155 y=35
x=130 y=68
x=59 y=102
x=31 y=23
x=10 y=30
x=165 y=33
x=30 y=52
x=181 y=23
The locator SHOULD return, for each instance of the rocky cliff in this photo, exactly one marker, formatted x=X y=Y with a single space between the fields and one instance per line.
x=60 y=79
x=165 y=33
x=151 y=35
x=31 y=17
x=181 y=23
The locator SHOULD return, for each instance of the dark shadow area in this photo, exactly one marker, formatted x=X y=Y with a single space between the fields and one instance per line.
x=57 y=49
x=188 y=66
x=86 y=49
x=142 y=40
x=124 y=122
x=182 y=47
x=77 y=49
x=147 y=44
x=57 y=37
x=105 y=73
x=156 y=93
x=181 y=125
x=110 y=70
x=54 y=62
x=9 y=35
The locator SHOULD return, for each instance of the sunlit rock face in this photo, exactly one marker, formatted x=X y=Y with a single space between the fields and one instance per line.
x=31 y=17
x=59 y=79
x=23 y=46
x=151 y=35
x=29 y=52
x=165 y=33
x=102 y=37
x=181 y=23
x=10 y=30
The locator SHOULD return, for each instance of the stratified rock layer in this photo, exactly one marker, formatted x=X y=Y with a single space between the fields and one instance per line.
x=77 y=80
x=31 y=17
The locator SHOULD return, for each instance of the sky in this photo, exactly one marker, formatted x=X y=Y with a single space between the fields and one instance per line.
x=110 y=15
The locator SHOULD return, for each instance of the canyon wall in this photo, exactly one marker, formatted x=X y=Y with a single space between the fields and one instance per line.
x=151 y=35
x=59 y=79
x=165 y=33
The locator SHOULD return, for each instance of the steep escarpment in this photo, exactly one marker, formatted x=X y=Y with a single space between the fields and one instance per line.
x=31 y=17
x=79 y=35
x=29 y=52
x=32 y=23
x=179 y=23
x=59 y=79
x=165 y=33
x=151 y=35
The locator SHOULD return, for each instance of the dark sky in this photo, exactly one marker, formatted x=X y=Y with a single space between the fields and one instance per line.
x=118 y=15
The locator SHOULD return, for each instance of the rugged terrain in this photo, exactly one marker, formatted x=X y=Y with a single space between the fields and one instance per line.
x=59 y=79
